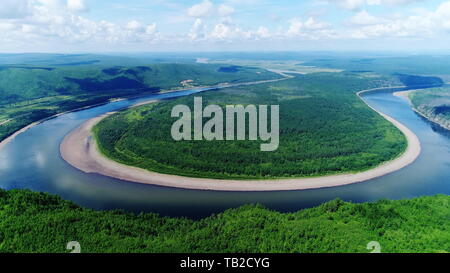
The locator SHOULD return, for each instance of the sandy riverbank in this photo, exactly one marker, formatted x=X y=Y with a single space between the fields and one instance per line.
x=80 y=150
x=403 y=94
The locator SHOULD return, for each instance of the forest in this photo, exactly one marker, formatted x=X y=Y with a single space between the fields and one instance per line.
x=324 y=129
x=42 y=223
x=30 y=93
x=433 y=103
x=428 y=65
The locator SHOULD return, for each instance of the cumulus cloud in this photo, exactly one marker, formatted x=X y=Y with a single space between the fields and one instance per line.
x=76 y=5
x=229 y=33
x=207 y=8
x=223 y=31
x=424 y=25
x=263 y=32
x=197 y=31
x=310 y=29
x=134 y=25
x=57 y=21
x=60 y=22
x=203 y=9
x=365 y=18
x=151 y=29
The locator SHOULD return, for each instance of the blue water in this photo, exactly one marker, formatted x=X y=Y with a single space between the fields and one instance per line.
x=32 y=161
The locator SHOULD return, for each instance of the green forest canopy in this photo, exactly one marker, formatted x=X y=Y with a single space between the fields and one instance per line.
x=433 y=103
x=42 y=223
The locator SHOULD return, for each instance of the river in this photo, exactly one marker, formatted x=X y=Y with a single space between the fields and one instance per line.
x=32 y=161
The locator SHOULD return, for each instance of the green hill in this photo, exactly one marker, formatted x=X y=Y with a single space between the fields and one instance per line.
x=32 y=92
x=37 y=222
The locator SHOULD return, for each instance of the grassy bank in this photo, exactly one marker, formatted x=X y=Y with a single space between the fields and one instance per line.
x=36 y=222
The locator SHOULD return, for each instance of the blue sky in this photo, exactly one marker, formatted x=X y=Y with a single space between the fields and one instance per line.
x=223 y=25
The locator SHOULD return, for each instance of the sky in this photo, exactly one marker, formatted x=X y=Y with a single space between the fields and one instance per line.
x=224 y=25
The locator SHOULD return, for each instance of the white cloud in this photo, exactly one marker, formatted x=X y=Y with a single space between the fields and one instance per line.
x=364 y=18
x=54 y=22
x=229 y=33
x=221 y=32
x=443 y=11
x=207 y=8
x=224 y=10
x=427 y=24
x=312 y=24
x=197 y=31
x=76 y=5
x=150 y=29
x=203 y=9
x=59 y=23
x=295 y=27
x=310 y=29
x=134 y=25
x=263 y=32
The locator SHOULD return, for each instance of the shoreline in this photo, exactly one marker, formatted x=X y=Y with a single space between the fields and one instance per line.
x=80 y=150
x=7 y=140
x=405 y=95
x=10 y=138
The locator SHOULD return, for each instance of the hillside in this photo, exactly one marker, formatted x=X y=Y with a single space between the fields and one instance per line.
x=434 y=104
x=37 y=222
x=29 y=92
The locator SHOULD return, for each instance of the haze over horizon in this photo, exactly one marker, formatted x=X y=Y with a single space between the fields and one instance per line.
x=63 y=26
